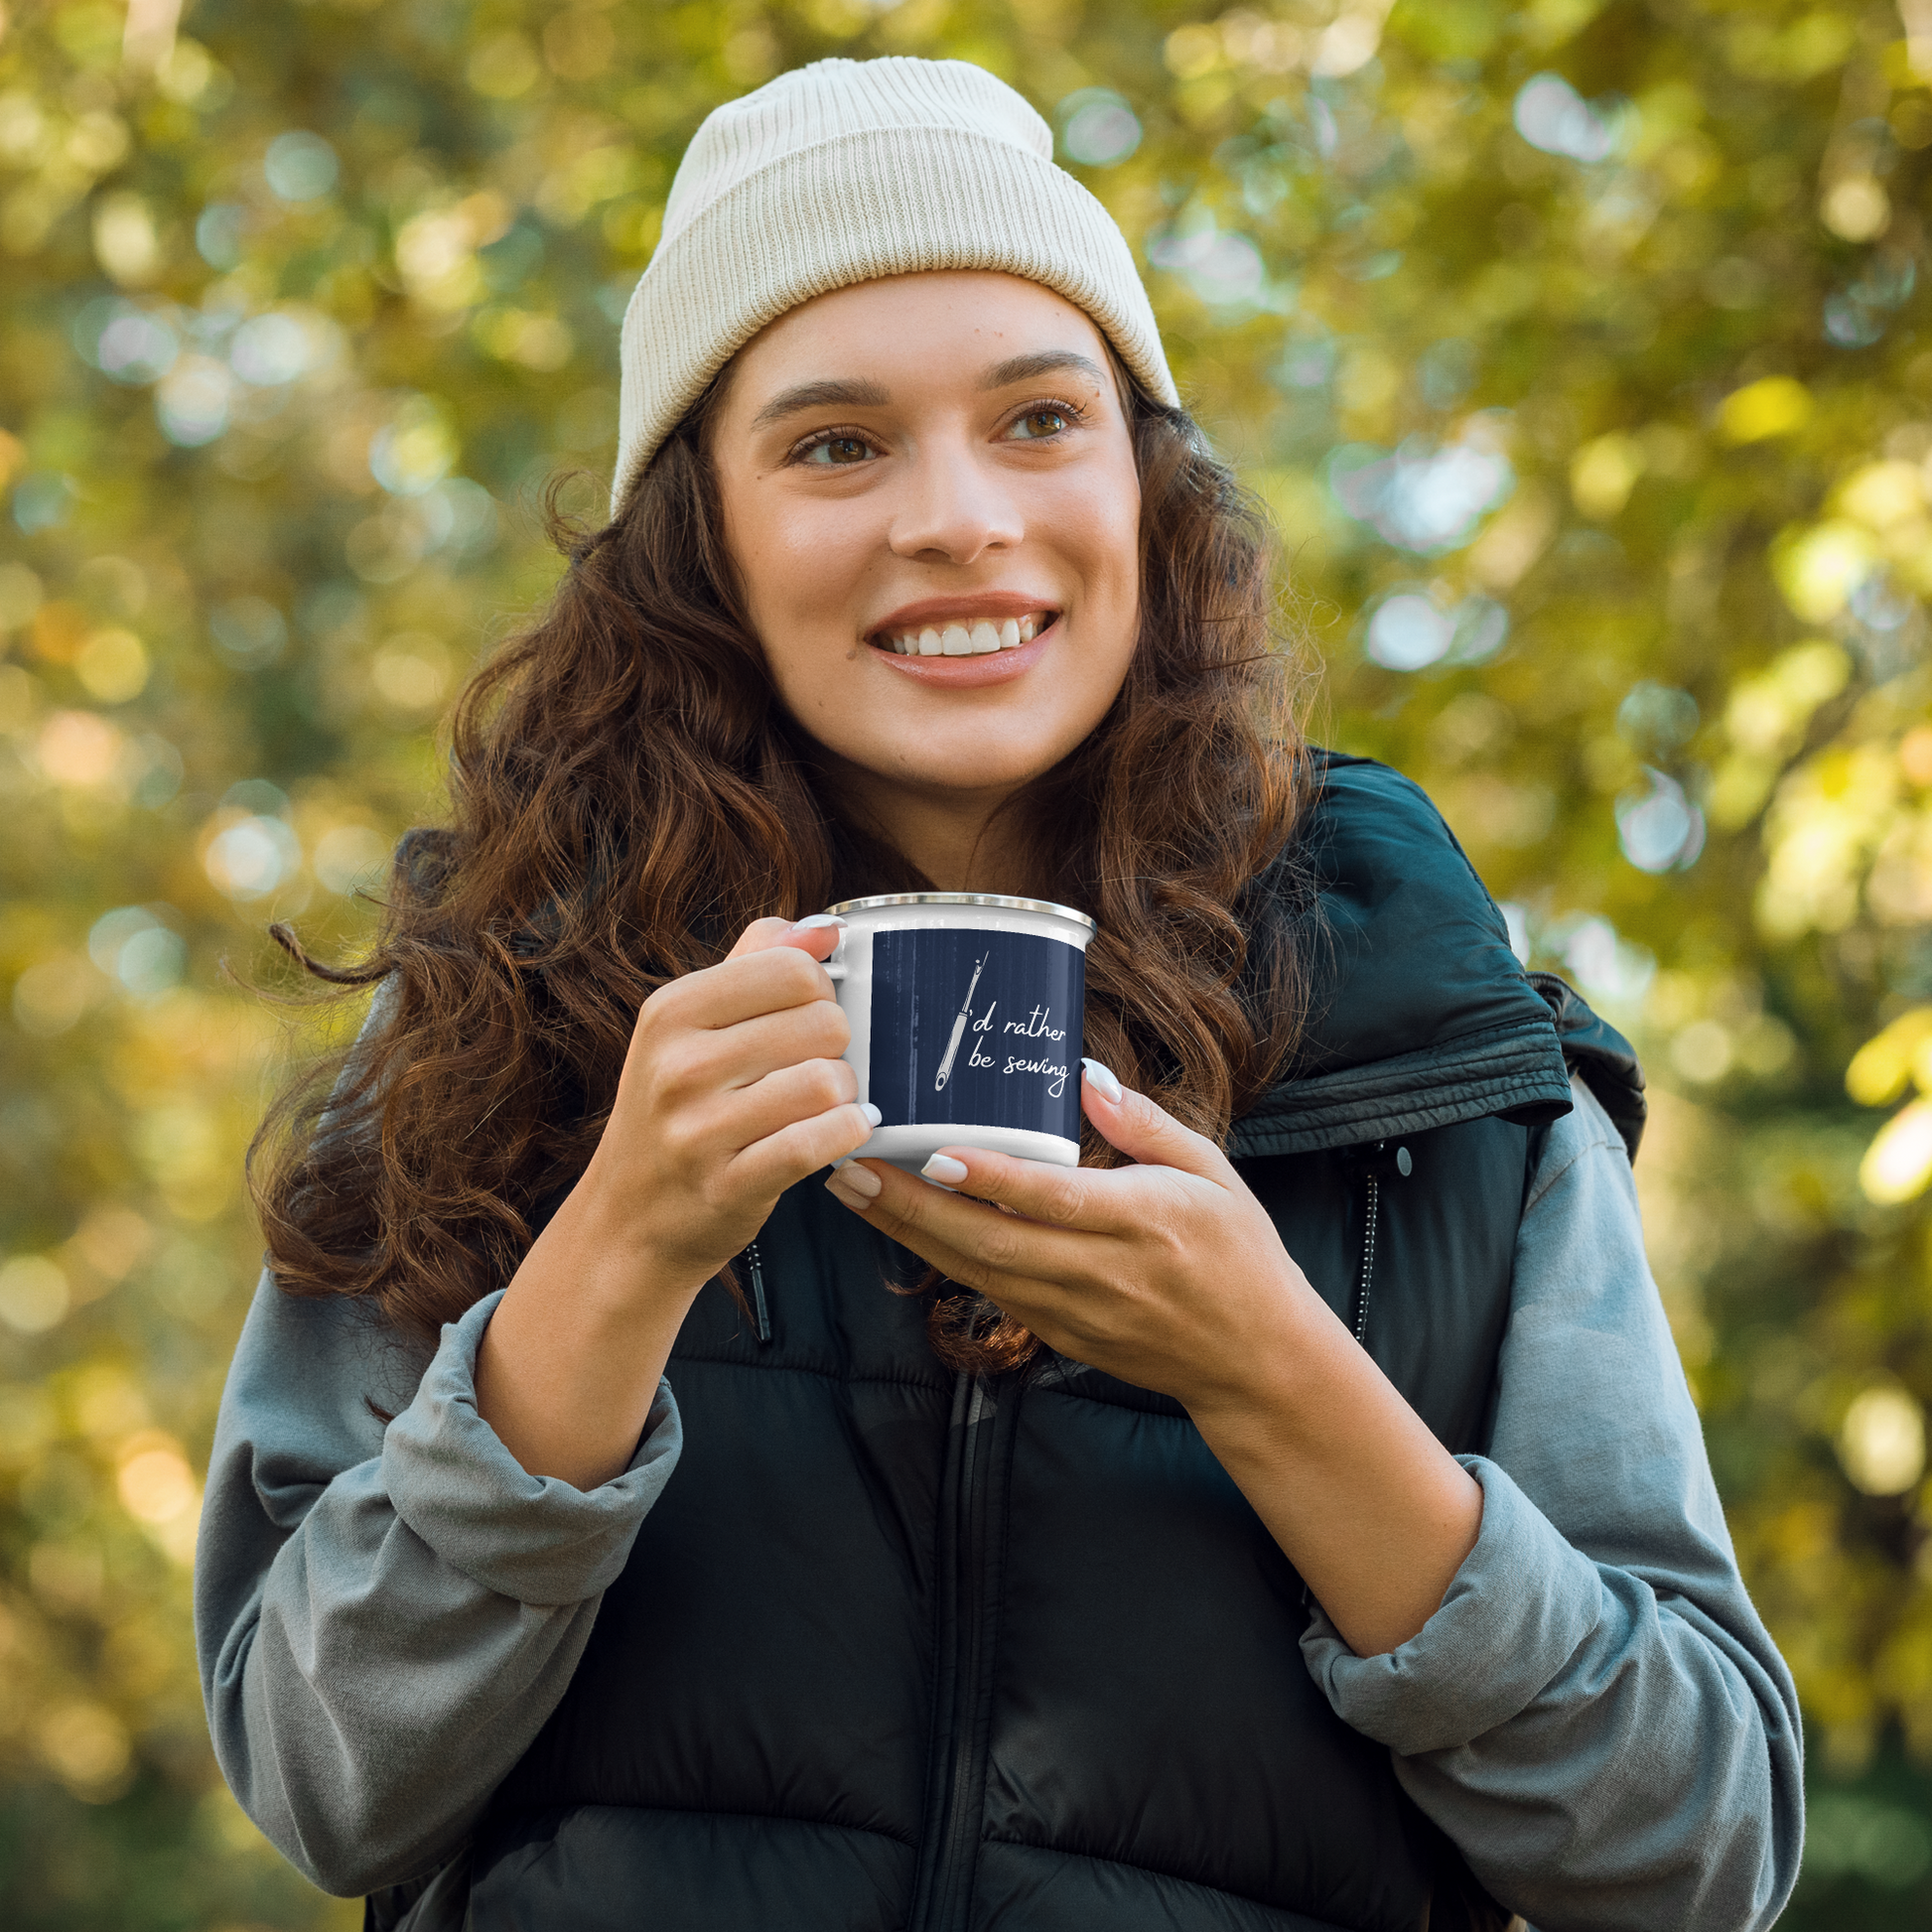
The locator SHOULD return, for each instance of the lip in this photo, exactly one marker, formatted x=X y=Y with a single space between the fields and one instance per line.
x=967 y=673
x=936 y=611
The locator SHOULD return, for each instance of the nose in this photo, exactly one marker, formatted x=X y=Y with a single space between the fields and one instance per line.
x=955 y=509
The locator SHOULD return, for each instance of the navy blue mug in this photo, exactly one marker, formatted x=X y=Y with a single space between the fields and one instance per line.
x=965 y=1011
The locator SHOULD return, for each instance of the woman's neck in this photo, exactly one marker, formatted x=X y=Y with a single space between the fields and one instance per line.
x=959 y=841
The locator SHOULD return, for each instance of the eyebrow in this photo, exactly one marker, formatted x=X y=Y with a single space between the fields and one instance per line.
x=859 y=394
x=1046 y=362
x=821 y=395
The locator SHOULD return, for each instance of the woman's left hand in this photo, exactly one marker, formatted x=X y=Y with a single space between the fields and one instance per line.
x=1168 y=1274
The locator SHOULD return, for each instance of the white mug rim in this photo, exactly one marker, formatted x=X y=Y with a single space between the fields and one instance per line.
x=999 y=900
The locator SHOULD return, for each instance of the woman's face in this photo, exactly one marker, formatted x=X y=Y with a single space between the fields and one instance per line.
x=929 y=494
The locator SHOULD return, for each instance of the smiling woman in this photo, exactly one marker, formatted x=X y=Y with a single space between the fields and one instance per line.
x=1284 y=1520
x=942 y=556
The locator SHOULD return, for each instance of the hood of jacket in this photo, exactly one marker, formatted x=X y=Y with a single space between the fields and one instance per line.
x=1419 y=1016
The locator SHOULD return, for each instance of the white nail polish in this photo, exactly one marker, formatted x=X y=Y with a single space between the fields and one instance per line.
x=1103 y=1080
x=871 y=1112
x=944 y=1169
x=816 y=921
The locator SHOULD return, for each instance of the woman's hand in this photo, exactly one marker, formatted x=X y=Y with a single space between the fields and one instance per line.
x=731 y=1090
x=1168 y=1273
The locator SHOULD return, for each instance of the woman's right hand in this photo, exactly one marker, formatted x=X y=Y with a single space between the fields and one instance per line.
x=731 y=1090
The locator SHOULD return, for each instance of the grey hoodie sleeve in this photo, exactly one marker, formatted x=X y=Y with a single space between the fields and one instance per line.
x=1595 y=1714
x=386 y=1615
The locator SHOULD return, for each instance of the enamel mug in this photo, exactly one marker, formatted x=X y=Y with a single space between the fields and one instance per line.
x=965 y=1011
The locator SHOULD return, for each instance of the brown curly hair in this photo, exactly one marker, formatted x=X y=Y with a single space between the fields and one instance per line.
x=627 y=794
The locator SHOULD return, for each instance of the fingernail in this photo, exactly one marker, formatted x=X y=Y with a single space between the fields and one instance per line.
x=862 y=1181
x=871 y=1112
x=845 y=1194
x=815 y=920
x=1103 y=1080
x=944 y=1169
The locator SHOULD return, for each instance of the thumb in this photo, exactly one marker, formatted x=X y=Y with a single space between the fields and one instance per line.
x=1146 y=1133
x=816 y=935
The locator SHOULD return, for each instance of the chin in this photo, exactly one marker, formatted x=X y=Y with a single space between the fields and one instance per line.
x=985 y=760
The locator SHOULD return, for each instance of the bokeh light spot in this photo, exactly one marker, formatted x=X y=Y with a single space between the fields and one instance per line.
x=1097 y=127
x=247 y=860
x=299 y=166
x=192 y=401
x=34 y=1295
x=1882 y=1441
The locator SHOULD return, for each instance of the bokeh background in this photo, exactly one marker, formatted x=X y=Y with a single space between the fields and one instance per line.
x=1583 y=351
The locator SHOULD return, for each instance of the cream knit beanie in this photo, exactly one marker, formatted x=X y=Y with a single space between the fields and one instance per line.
x=843 y=171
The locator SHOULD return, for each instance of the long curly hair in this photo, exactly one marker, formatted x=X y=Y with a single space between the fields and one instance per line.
x=628 y=793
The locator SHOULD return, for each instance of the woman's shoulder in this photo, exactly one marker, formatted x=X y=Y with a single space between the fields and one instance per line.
x=1410 y=948
x=1410 y=961
x=1363 y=819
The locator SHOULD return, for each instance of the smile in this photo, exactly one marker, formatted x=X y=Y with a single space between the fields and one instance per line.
x=980 y=638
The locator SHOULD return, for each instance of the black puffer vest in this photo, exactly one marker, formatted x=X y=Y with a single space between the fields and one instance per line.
x=900 y=1649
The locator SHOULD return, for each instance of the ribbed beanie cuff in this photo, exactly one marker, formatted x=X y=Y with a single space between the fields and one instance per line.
x=848 y=171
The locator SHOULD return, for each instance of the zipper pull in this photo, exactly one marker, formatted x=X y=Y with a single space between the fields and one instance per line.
x=757 y=1271
x=1374 y=1159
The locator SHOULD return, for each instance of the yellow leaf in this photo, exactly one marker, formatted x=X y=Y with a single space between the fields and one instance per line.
x=1883 y=1066
x=1898 y=1162
x=1602 y=473
x=1882 y=495
x=1774 y=406
x=1818 y=568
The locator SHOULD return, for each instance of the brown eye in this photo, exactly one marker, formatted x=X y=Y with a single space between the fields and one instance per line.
x=1037 y=423
x=841 y=451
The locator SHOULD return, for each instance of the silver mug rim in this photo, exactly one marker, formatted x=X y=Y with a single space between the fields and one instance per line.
x=998 y=900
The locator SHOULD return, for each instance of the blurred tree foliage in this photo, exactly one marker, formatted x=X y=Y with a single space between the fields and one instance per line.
x=1581 y=350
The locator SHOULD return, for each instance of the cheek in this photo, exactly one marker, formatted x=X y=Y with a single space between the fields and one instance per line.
x=797 y=560
x=1101 y=535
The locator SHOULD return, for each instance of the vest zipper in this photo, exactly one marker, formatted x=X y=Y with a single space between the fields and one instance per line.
x=1373 y=1164
x=756 y=1269
x=1367 y=1275
x=943 y=1900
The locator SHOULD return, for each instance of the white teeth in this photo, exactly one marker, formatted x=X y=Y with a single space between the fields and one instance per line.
x=979 y=640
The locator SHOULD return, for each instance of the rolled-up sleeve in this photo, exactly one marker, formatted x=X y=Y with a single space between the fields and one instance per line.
x=388 y=1613
x=1595 y=1714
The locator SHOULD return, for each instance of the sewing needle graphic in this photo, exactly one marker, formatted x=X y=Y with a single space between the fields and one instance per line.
x=959 y=1028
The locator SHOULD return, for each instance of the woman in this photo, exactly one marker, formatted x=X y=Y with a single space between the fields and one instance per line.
x=1294 y=1518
